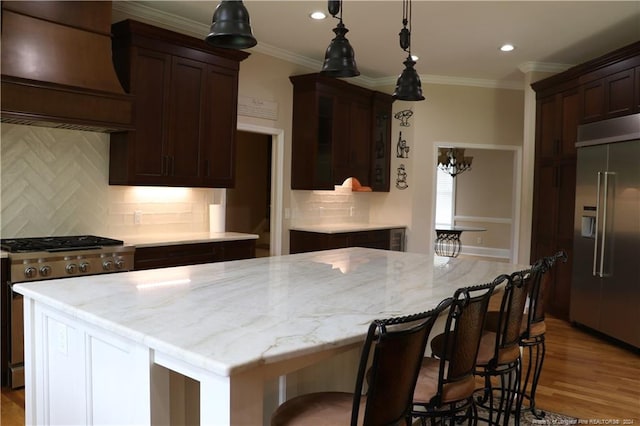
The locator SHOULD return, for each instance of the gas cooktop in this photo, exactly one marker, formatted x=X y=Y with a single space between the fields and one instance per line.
x=56 y=244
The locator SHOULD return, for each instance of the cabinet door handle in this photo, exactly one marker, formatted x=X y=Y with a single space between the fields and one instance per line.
x=173 y=165
x=207 y=171
x=165 y=167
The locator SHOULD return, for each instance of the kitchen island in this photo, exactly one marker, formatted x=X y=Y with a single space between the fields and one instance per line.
x=98 y=348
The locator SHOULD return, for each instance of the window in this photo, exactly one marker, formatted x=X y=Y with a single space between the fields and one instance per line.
x=445 y=199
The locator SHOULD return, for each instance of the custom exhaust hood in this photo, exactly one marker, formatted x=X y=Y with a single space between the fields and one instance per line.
x=57 y=68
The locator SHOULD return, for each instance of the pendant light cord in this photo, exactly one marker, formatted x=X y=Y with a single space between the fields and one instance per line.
x=406 y=22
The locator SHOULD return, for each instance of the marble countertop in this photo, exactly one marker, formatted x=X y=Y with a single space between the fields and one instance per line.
x=228 y=317
x=152 y=240
x=345 y=227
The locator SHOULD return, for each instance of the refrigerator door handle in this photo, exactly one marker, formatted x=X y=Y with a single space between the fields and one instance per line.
x=595 y=244
x=605 y=209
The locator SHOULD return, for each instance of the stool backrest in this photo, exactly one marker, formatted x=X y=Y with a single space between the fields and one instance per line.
x=396 y=347
x=540 y=278
x=511 y=316
x=463 y=330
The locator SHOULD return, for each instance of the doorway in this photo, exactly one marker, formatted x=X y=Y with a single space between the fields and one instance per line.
x=487 y=196
x=248 y=204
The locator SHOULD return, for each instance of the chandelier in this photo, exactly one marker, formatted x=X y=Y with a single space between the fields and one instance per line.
x=453 y=161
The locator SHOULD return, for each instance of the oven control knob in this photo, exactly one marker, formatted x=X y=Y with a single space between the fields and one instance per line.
x=107 y=265
x=71 y=268
x=30 y=272
x=84 y=267
x=45 y=270
x=119 y=264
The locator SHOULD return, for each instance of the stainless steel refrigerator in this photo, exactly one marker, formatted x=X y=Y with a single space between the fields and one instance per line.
x=605 y=288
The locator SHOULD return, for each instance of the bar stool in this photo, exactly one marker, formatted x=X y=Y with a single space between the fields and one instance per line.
x=499 y=353
x=446 y=384
x=396 y=347
x=533 y=331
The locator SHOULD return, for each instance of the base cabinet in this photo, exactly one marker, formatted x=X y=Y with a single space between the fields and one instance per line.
x=193 y=254
x=385 y=239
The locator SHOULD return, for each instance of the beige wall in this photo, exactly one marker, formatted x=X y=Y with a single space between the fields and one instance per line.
x=450 y=115
x=485 y=197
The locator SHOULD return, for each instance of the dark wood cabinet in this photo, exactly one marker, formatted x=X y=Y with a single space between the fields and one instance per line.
x=185 y=109
x=603 y=88
x=385 y=239
x=381 y=142
x=609 y=97
x=5 y=300
x=339 y=130
x=193 y=254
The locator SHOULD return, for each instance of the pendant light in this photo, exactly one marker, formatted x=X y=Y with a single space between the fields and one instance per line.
x=408 y=86
x=230 y=26
x=339 y=60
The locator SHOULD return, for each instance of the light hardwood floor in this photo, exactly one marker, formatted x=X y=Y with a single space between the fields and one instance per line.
x=583 y=376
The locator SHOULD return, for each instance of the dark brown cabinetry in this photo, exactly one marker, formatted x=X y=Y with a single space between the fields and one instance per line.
x=386 y=239
x=193 y=254
x=4 y=321
x=604 y=88
x=185 y=109
x=339 y=130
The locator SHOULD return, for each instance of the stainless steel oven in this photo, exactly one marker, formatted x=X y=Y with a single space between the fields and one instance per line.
x=35 y=259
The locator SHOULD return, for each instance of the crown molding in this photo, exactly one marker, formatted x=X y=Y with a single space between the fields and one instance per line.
x=532 y=66
x=196 y=29
x=456 y=81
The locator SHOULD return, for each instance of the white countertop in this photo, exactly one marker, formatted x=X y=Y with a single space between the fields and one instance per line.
x=345 y=227
x=152 y=240
x=231 y=316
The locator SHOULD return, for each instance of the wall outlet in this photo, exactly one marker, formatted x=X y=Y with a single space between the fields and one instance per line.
x=137 y=217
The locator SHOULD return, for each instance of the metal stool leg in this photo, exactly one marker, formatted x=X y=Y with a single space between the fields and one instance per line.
x=535 y=363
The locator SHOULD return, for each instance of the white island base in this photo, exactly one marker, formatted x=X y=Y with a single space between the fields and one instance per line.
x=85 y=375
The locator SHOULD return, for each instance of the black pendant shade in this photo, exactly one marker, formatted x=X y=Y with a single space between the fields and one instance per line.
x=408 y=86
x=339 y=60
x=230 y=27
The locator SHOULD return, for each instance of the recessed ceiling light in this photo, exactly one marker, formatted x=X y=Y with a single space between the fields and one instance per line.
x=507 y=47
x=318 y=15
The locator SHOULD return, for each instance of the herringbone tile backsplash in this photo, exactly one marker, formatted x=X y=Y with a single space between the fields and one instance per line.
x=55 y=182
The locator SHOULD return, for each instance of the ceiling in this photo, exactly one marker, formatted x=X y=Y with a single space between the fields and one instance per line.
x=455 y=40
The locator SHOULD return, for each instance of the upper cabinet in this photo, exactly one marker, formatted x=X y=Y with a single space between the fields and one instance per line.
x=339 y=130
x=185 y=109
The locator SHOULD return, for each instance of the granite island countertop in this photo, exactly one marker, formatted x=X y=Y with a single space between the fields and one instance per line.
x=228 y=317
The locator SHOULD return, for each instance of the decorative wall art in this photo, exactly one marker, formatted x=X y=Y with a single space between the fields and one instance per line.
x=401 y=179
x=404 y=117
x=402 y=150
